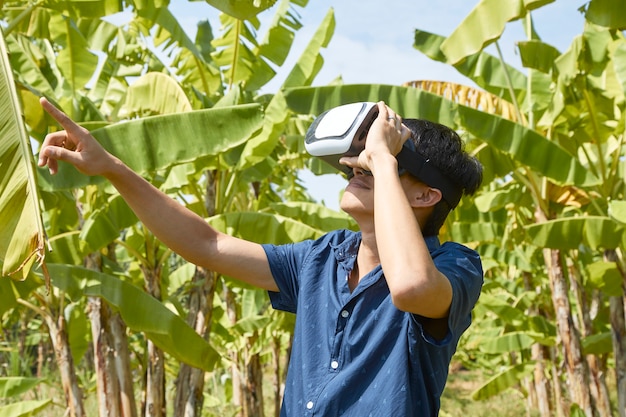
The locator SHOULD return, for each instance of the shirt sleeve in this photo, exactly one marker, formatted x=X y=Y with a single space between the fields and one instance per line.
x=285 y=263
x=463 y=268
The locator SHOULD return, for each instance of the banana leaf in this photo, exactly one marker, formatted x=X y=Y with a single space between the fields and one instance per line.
x=524 y=145
x=486 y=70
x=617 y=210
x=158 y=142
x=604 y=13
x=154 y=93
x=277 y=116
x=484 y=25
x=24 y=408
x=508 y=378
x=508 y=342
x=140 y=311
x=569 y=233
x=11 y=386
x=263 y=227
x=242 y=9
x=21 y=233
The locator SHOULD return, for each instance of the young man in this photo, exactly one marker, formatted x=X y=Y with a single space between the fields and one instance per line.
x=379 y=312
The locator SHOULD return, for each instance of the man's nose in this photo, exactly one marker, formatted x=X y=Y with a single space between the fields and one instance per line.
x=358 y=171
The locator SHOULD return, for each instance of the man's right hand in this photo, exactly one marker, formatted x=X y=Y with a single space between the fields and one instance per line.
x=74 y=145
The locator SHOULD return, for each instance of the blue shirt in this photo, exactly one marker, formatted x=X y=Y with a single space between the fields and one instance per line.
x=354 y=353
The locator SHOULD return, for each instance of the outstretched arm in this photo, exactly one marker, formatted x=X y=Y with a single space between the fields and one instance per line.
x=177 y=227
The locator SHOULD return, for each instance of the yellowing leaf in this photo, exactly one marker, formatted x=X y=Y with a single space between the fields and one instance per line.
x=21 y=229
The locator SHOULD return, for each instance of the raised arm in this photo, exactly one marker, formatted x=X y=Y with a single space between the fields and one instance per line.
x=180 y=229
x=415 y=283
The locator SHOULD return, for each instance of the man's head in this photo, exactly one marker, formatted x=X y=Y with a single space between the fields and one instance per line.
x=444 y=150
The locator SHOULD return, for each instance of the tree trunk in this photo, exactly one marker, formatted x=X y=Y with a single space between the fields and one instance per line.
x=190 y=382
x=154 y=397
x=71 y=389
x=578 y=373
x=618 y=333
x=237 y=380
x=540 y=383
x=560 y=406
x=254 y=386
x=598 y=387
x=115 y=390
x=619 y=351
x=538 y=386
x=276 y=375
x=154 y=405
x=121 y=358
x=106 y=381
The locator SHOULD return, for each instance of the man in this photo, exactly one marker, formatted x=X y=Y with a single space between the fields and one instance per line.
x=379 y=312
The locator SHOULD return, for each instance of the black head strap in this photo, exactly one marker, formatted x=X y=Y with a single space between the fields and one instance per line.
x=415 y=164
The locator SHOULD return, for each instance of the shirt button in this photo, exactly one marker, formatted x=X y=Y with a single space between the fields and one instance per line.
x=345 y=314
x=309 y=405
x=334 y=364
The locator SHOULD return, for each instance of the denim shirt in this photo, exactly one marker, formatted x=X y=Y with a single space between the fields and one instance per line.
x=354 y=353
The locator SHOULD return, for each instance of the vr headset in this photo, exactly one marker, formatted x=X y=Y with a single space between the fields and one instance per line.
x=342 y=131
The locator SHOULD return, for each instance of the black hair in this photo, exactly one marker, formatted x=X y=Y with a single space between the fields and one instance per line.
x=445 y=150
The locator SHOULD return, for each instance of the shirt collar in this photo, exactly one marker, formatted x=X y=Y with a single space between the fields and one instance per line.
x=349 y=248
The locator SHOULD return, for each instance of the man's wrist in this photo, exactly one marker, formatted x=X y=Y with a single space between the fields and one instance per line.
x=382 y=164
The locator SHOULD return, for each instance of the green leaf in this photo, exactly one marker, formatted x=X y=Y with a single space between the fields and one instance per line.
x=24 y=408
x=502 y=381
x=104 y=225
x=538 y=55
x=11 y=386
x=527 y=147
x=570 y=233
x=598 y=344
x=242 y=9
x=277 y=116
x=154 y=94
x=485 y=70
x=315 y=215
x=311 y=61
x=21 y=233
x=263 y=227
x=606 y=277
x=508 y=342
x=74 y=60
x=141 y=312
x=158 y=142
x=524 y=145
x=619 y=62
x=78 y=330
x=503 y=310
x=604 y=13
x=484 y=25
x=617 y=210
x=10 y=290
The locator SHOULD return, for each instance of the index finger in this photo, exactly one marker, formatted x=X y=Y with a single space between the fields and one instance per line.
x=63 y=119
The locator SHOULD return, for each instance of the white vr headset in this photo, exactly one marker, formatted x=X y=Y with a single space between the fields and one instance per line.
x=342 y=131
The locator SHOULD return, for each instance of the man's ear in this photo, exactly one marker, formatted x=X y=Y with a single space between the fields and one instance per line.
x=425 y=197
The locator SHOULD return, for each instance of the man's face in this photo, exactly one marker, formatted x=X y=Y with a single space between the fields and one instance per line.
x=359 y=194
x=358 y=197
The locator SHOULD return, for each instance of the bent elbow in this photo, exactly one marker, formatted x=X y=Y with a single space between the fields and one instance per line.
x=429 y=298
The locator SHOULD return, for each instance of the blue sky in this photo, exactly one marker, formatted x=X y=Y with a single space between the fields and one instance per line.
x=373 y=41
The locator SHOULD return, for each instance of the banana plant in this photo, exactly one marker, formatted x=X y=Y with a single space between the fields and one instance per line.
x=22 y=237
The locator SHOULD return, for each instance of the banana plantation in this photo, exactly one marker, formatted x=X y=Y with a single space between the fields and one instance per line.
x=101 y=319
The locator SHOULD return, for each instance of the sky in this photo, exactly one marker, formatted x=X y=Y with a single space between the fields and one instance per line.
x=373 y=44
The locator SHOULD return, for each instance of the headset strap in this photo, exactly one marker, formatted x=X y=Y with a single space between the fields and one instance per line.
x=415 y=164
